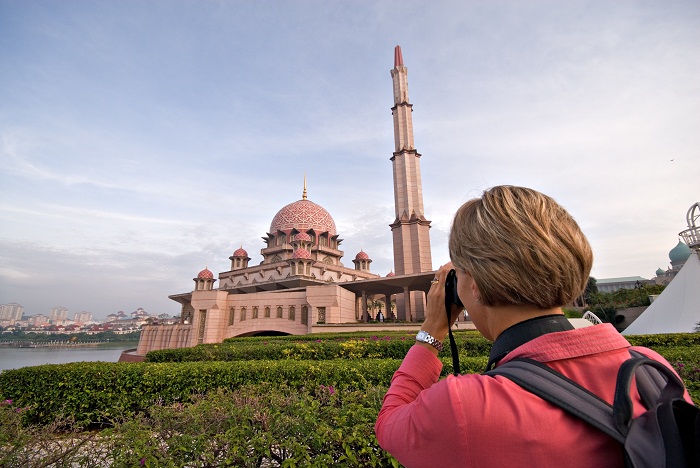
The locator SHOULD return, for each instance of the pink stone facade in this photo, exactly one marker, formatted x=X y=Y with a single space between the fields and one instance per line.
x=301 y=285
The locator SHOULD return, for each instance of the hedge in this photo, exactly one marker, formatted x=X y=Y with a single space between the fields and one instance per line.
x=95 y=392
x=260 y=425
x=336 y=346
x=92 y=392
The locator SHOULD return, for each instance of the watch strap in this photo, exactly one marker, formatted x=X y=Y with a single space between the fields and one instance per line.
x=425 y=337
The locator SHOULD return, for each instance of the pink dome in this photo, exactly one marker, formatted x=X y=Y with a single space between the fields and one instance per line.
x=205 y=274
x=361 y=255
x=391 y=273
x=303 y=215
x=301 y=253
x=240 y=253
x=302 y=236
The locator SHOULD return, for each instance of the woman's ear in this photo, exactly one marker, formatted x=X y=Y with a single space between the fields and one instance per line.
x=474 y=288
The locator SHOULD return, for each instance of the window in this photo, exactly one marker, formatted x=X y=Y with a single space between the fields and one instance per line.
x=279 y=311
x=321 y=315
x=291 y=313
x=267 y=311
x=242 y=313
x=305 y=315
x=231 y=314
x=255 y=312
x=202 y=322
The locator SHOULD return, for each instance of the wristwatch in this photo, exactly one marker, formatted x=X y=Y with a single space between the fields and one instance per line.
x=425 y=337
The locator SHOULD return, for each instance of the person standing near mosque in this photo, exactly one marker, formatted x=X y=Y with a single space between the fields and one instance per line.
x=518 y=258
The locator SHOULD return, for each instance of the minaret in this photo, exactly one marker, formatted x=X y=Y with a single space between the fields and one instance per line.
x=410 y=230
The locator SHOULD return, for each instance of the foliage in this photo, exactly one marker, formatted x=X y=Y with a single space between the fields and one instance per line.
x=259 y=425
x=572 y=313
x=606 y=304
x=268 y=401
x=263 y=425
x=625 y=298
x=79 y=337
x=336 y=346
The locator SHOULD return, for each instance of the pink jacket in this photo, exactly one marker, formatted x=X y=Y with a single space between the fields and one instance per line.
x=481 y=421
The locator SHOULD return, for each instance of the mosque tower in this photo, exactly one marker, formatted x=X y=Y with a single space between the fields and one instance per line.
x=410 y=230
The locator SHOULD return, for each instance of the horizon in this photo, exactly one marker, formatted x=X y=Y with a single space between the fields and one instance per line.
x=143 y=142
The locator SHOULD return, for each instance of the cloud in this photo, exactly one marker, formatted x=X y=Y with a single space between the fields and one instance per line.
x=141 y=144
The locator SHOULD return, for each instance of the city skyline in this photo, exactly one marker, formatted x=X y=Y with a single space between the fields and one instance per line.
x=144 y=141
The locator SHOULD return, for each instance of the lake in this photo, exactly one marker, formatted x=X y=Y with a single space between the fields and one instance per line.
x=14 y=358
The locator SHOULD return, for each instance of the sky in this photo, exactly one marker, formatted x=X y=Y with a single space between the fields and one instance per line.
x=142 y=141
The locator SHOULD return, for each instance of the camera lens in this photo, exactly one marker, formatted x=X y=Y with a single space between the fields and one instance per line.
x=451 y=289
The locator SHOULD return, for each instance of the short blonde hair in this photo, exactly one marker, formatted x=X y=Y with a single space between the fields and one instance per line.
x=521 y=247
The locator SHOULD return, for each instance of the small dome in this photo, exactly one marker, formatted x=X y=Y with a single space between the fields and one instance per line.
x=660 y=272
x=679 y=253
x=302 y=236
x=391 y=273
x=205 y=274
x=361 y=255
x=240 y=253
x=301 y=253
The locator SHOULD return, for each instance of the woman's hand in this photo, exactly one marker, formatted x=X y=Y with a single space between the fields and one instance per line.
x=435 y=317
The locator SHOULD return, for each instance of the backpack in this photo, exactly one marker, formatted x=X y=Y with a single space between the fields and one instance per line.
x=667 y=434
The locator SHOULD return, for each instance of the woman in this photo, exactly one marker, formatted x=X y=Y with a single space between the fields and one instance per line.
x=519 y=257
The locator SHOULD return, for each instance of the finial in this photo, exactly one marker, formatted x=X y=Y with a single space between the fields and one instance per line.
x=398 y=58
x=303 y=195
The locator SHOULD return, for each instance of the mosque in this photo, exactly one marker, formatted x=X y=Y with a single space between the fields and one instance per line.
x=301 y=286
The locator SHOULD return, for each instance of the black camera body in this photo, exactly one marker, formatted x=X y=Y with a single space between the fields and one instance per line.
x=451 y=296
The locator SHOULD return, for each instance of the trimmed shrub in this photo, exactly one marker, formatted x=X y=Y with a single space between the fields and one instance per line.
x=335 y=346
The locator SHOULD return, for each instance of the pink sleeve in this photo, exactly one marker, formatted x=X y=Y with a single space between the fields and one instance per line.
x=411 y=425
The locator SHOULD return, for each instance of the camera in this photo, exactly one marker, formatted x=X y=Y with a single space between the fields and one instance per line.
x=451 y=296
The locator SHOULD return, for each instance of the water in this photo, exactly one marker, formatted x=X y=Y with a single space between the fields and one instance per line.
x=14 y=358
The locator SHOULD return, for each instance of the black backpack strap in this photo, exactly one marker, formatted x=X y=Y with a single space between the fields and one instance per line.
x=671 y=389
x=649 y=381
x=550 y=385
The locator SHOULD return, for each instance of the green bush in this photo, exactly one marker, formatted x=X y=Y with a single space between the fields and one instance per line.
x=255 y=425
x=96 y=392
x=334 y=346
x=244 y=402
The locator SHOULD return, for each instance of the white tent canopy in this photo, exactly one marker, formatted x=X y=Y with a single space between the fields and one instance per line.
x=677 y=309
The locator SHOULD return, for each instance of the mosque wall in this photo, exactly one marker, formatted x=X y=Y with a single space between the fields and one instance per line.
x=273 y=273
x=331 y=304
x=267 y=311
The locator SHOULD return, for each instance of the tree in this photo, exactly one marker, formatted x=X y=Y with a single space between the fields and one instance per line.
x=585 y=297
x=605 y=305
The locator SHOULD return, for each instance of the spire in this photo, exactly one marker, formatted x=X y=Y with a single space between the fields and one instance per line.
x=398 y=58
x=303 y=194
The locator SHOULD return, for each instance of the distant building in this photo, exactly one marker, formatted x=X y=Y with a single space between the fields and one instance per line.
x=11 y=312
x=678 y=256
x=38 y=320
x=139 y=313
x=83 y=317
x=118 y=316
x=58 y=314
x=608 y=285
